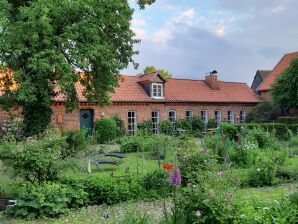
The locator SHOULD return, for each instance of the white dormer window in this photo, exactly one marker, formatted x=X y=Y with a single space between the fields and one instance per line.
x=157 y=91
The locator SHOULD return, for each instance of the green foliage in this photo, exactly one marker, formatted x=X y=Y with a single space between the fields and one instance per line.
x=145 y=127
x=120 y=126
x=210 y=203
x=135 y=217
x=263 y=112
x=293 y=128
x=259 y=136
x=8 y=100
x=212 y=123
x=229 y=130
x=218 y=146
x=156 y=180
x=75 y=142
x=197 y=126
x=162 y=72
x=184 y=124
x=287 y=120
x=284 y=90
x=281 y=131
x=12 y=129
x=294 y=198
x=105 y=130
x=53 y=37
x=47 y=200
x=36 y=118
x=195 y=164
x=166 y=127
x=265 y=211
x=35 y=161
x=131 y=144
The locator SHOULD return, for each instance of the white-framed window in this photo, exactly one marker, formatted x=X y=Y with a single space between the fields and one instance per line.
x=217 y=117
x=189 y=114
x=157 y=91
x=242 y=116
x=172 y=116
x=155 y=121
x=231 y=118
x=204 y=116
x=132 y=122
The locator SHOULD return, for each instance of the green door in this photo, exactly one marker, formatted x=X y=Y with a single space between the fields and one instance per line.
x=86 y=120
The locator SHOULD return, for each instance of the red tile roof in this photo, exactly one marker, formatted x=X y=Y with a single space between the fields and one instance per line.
x=279 y=68
x=180 y=90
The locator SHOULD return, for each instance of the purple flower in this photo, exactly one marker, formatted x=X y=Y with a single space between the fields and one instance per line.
x=175 y=177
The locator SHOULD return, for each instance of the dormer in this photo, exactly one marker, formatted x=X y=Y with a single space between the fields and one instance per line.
x=153 y=84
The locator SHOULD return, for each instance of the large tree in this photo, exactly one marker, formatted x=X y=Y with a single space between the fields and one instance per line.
x=162 y=72
x=45 y=41
x=285 y=89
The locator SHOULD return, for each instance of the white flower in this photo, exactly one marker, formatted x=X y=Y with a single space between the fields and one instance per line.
x=198 y=213
x=258 y=169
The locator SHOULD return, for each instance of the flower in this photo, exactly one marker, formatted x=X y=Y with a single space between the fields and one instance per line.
x=168 y=167
x=198 y=213
x=221 y=173
x=183 y=158
x=175 y=177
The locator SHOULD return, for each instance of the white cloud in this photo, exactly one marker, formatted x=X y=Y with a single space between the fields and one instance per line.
x=137 y=25
x=274 y=10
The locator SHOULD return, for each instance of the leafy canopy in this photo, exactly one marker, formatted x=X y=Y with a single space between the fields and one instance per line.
x=162 y=72
x=45 y=41
x=285 y=89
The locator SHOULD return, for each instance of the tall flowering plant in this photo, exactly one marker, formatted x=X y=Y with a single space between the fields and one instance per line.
x=174 y=181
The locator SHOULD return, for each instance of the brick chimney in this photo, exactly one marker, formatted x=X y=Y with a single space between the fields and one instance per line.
x=212 y=81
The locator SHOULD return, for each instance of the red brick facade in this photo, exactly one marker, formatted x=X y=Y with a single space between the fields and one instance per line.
x=72 y=120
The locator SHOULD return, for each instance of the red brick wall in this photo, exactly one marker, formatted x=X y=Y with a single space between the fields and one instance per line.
x=265 y=95
x=72 y=120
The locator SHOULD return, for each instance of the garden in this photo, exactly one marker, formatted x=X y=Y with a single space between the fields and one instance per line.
x=242 y=173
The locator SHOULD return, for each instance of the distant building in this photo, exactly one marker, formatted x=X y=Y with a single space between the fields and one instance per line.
x=259 y=78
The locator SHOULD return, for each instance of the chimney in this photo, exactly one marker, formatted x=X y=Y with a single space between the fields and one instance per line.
x=212 y=81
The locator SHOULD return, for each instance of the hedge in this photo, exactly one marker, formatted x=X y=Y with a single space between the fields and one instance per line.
x=282 y=131
x=288 y=120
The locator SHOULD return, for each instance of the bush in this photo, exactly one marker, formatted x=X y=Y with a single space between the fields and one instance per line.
x=197 y=126
x=294 y=198
x=229 y=130
x=120 y=126
x=145 y=127
x=184 y=124
x=130 y=144
x=35 y=161
x=281 y=131
x=156 y=180
x=47 y=200
x=75 y=142
x=105 y=130
x=166 y=127
x=259 y=136
x=212 y=123
x=287 y=120
x=219 y=146
x=263 y=112
x=293 y=128
x=12 y=129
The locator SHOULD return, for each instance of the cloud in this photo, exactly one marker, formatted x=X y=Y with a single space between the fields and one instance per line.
x=137 y=26
x=232 y=36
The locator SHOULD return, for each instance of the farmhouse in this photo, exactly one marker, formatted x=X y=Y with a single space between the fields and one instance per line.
x=151 y=97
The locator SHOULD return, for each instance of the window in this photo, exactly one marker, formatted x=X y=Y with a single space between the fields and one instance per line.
x=204 y=116
x=155 y=121
x=157 y=90
x=132 y=122
x=231 y=119
x=189 y=114
x=217 y=117
x=242 y=116
x=172 y=116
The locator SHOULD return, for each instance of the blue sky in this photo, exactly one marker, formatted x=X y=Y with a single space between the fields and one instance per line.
x=235 y=37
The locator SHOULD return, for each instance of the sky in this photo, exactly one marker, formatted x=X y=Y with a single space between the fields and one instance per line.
x=190 y=38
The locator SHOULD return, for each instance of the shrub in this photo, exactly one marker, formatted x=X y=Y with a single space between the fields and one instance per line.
x=120 y=126
x=212 y=123
x=166 y=127
x=47 y=200
x=155 y=180
x=219 y=146
x=263 y=112
x=229 y=130
x=293 y=128
x=294 y=198
x=264 y=211
x=197 y=126
x=75 y=142
x=184 y=124
x=145 y=127
x=35 y=161
x=12 y=129
x=247 y=154
x=105 y=130
x=130 y=144
x=261 y=137
x=287 y=120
